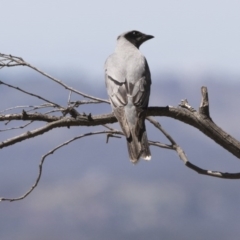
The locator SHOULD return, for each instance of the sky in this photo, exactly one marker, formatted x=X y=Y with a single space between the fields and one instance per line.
x=190 y=36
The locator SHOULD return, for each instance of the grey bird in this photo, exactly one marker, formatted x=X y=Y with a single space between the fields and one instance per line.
x=128 y=81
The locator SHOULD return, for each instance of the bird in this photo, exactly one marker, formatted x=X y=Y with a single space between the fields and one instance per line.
x=128 y=82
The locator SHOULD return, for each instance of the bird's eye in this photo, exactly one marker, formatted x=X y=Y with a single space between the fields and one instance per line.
x=135 y=33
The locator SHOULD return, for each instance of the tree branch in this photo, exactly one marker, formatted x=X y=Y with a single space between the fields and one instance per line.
x=51 y=152
x=204 y=106
x=19 y=127
x=193 y=118
x=185 y=113
x=32 y=94
x=183 y=156
x=13 y=61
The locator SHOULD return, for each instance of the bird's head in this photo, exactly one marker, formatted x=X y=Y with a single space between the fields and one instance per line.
x=135 y=37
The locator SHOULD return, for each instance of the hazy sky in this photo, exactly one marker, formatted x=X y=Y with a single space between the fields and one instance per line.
x=190 y=36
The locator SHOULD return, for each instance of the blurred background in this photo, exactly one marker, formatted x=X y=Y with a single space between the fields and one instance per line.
x=89 y=189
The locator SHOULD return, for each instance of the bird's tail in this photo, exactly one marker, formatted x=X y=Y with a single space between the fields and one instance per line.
x=138 y=144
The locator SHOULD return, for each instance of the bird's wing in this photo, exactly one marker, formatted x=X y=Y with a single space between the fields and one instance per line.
x=140 y=91
x=123 y=92
x=115 y=84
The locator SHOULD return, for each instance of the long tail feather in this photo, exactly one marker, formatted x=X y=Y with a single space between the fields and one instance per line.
x=138 y=146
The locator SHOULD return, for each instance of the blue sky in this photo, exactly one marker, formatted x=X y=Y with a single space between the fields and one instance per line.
x=190 y=36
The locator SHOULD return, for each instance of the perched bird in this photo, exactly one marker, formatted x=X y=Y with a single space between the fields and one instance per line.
x=128 y=82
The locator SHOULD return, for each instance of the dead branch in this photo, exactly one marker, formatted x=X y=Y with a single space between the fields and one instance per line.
x=185 y=113
x=51 y=152
x=193 y=118
x=31 y=94
x=174 y=146
x=13 y=61
x=14 y=128
x=113 y=133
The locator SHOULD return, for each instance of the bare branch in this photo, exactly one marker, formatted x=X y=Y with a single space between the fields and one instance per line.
x=184 y=104
x=16 y=107
x=51 y=152
x=42 y=106
x=186 y=113
x=199 y=121
x=78 y=103
x=13 y=128
x=69 y=97
x=204 y=106
x=111 y=135
x=161 y=145
x=52 y=111
x=45 y=105
x=32 y=94
x=30 y=116
x=33 y=133
x=183 y=156
x=158 y=126
x=11 y=61
x=202 y=171
x=205 y=125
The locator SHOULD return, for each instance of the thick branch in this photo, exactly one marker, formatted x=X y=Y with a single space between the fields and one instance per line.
x=205 y=125
x=30 y=116
x=195 y=119
x=204 y=107
x=198 y=119
x=34 y=133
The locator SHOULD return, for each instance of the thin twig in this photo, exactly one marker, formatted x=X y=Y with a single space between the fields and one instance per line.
x=16 y=107
x=161 y=145
x=41 y=107
x=13 y=128
x=51 y=152
x=21 y=62
x=108 y=127
x=202 y=171
x=78 y=103
x=158 y=126
x=69 y=97
x=31 y=94
x=45 y=105
x=184 y=158
x=66 y=86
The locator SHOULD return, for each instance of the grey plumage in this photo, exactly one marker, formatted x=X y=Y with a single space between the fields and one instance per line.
x=128 y=81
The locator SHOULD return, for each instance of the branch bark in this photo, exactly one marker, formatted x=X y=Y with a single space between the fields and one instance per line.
x=174 y=146
x=14 y=61
x=193 y=118
x=185 y=113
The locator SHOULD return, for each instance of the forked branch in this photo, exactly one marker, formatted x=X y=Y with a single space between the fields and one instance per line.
x=51 y=152
x=70 y=117
x=174 y=146
x=13 y=61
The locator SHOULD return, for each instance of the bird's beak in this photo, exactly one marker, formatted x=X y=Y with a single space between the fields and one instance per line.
x=146 y=37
